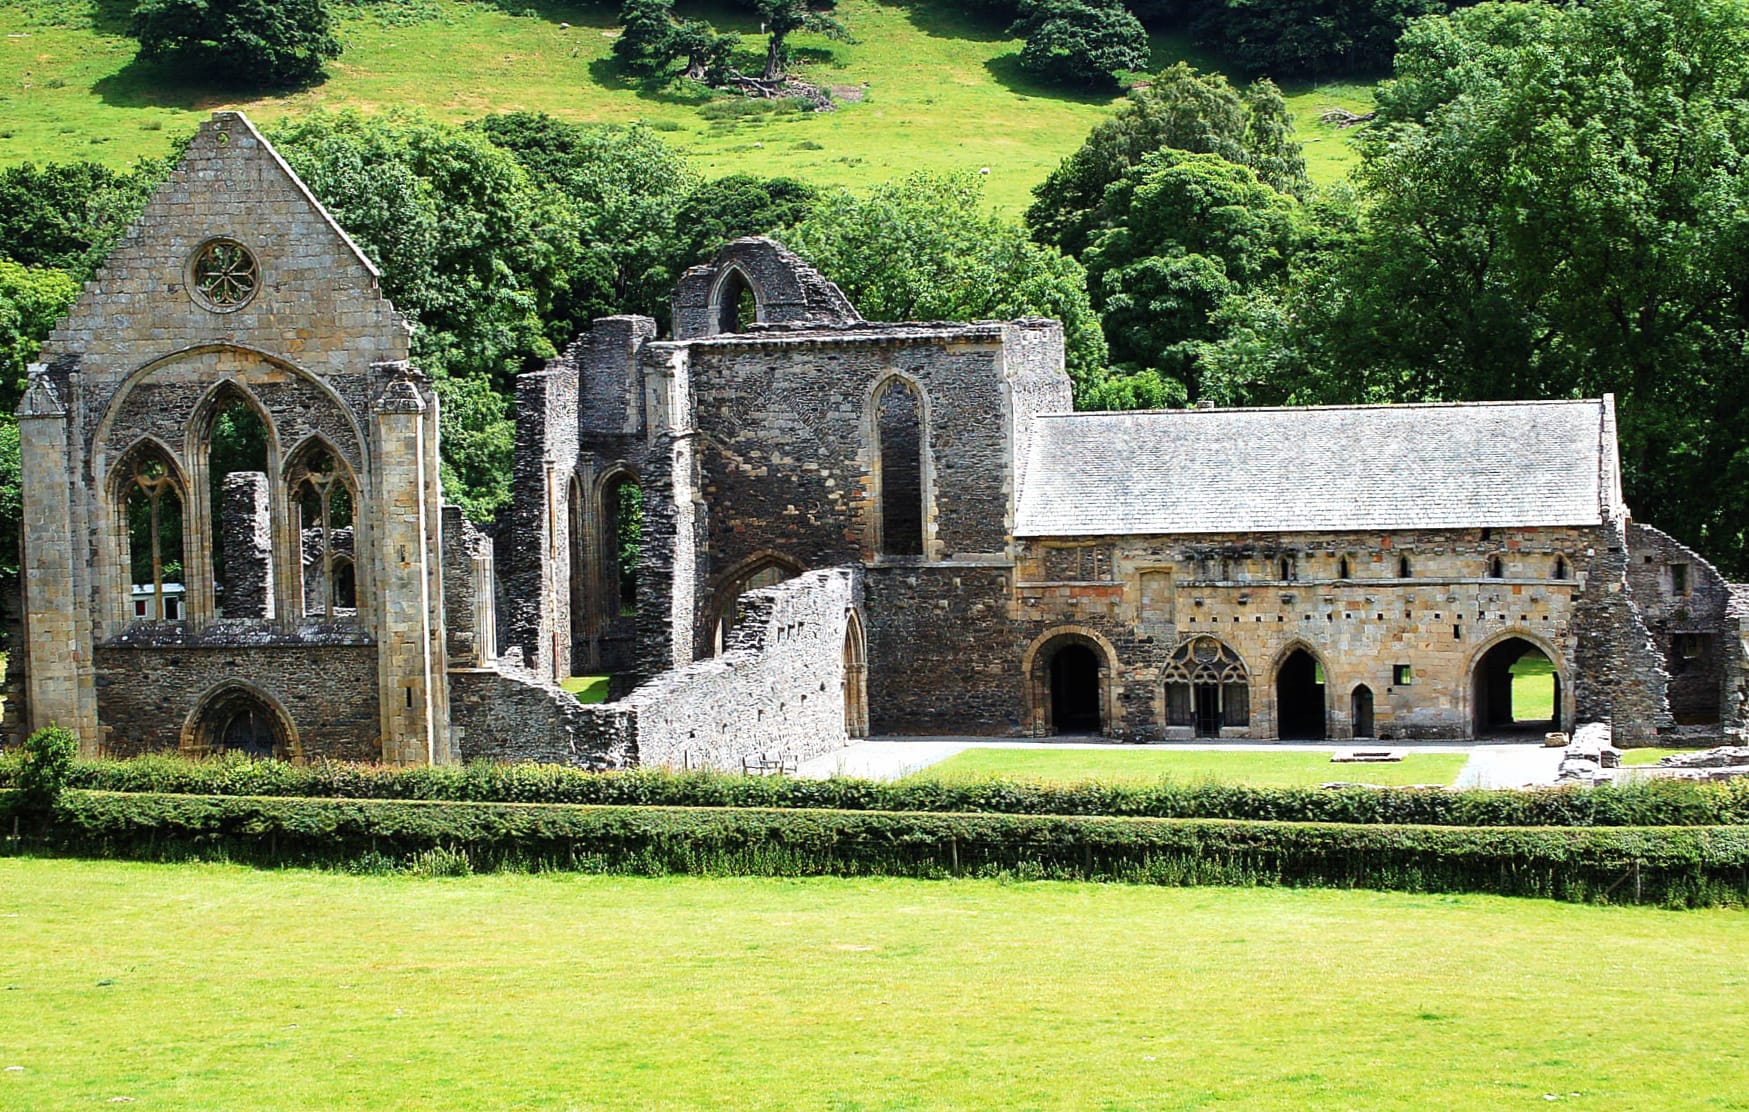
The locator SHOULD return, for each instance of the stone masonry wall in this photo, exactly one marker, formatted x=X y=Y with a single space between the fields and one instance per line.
x=1686 y=613
x=1620 y=675
x=246 y=537
x=777 y=687
x=517 y=716
x=145 y=695
x=943 y=655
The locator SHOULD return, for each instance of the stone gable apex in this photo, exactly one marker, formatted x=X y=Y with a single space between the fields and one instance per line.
x=318 y=303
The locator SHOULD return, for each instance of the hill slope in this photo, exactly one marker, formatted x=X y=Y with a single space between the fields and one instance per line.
x=937 y=91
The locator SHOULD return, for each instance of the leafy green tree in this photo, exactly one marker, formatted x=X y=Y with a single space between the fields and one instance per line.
x=1081 y=41
x=1556 y=205
x=624 y=186
x=471 y=249
x=1190 y=231
x=68 y=215
x=782 y=18
x=925 y=248
x=31 y=300
x=737 y=205
x=1297 y=38
x=1184 y=110
x=653 y=39
x=246 y=42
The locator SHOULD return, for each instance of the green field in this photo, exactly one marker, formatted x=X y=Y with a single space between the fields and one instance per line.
x=1533 y=689
x=1262 y=769
x=212 y=987
x=939 y=91
x=1649 y=756
x=588 y=689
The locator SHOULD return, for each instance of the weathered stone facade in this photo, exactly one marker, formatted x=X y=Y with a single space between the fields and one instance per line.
x=845 y=527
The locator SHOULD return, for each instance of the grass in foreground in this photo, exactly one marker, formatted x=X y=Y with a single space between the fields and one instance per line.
x=1649 y=756
x=197 y=987
x=588 y=689
x=1260 y=769
x=939 y=91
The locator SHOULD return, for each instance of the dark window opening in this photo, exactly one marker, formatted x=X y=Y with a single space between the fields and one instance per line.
x=900 y=430
x=1560 y=567
x=1342 y=568
x=1075 y=691
x=1496 y=568
x=1403 y=569
x=1287 y=569
x=1402 y=675
x=737 y=305
x=236 y=721
x=1299 y=693
x=1679 y=579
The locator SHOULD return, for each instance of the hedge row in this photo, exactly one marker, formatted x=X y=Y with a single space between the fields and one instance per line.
x=1652 y=803
x=1686 y=867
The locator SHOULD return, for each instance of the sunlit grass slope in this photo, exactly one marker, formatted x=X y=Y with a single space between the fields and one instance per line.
x=939 y=91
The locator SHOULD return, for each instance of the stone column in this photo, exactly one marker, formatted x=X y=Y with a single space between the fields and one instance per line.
x=57 y=630
x=410 y=672
x=246 y=537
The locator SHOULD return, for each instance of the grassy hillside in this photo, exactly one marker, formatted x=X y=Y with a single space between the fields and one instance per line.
x=937 y=91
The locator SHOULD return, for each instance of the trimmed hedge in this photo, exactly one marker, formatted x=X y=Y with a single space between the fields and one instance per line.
x=1678 y=867
x=1647 y=803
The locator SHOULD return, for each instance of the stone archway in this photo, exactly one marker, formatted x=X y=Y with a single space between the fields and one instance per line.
x=1515 y=687
x=1301 y=705
x=237 y=717
x=1360 y=712
x=855 y=677
x=1069 y=679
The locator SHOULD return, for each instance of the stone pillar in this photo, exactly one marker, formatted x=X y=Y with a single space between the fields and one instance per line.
x=57 y=629
x=408 y=584
x=246 y=538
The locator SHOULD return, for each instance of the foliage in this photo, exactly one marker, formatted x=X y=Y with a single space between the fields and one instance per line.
x=1085 y=41
x=1150 y=764
x=727 y=208
x=1674 y=867
x=624 y=187
x=31 y=300
x=628 y=519
x=782 y=18
x=1555 y=206
x=470 y=248
x=1184 y=110
x=45 y=765
x=257 y=43
x=925 y=248
x=1298 y=38
x=1189 y=232
x=654 y=38
x=1656 y=803
x=68 y=215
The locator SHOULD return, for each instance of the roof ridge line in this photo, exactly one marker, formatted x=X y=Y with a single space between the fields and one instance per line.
x=1494 y=403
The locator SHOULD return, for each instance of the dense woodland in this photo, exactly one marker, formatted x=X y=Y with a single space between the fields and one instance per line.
x=1552 y=201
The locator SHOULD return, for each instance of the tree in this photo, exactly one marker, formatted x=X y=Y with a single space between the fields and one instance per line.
x=737 y=205
x=781 y=18
x=1556 y=204
x=653 y=39
x=624 y=186
x=924 y=248
x=1184 y=110
x=471 y=250
x=1084 y=41
x=68 y=215
x=1191 y=231
x=246 y=42
x=31 y=300
x=1297 y=38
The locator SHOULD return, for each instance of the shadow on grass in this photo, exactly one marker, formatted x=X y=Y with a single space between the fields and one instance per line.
x=1007 y=71
x=160 y=85
x=111 y=17
x=606 y=72
x=949 y=21
x=602 y=15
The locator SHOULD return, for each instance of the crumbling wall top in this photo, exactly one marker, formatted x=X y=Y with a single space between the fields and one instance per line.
x=712 y=299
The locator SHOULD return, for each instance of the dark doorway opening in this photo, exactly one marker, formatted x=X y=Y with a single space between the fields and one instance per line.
x=1299 y=698
x=1075 y=691
x=1516 y=689
x=236 y=721
x=1361 y=712
x=1208 y=709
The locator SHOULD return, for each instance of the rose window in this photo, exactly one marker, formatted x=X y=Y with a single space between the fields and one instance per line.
x=225 y=275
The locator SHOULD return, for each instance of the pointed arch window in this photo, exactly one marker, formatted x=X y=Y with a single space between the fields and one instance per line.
x=323 y=505
x=737 y=304
x=1404 y=569
x=1560 y=567
x=1496 y=568
x=1207 y=687
x=151 y=500
x=900 y=436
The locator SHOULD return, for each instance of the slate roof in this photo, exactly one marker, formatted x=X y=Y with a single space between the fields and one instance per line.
x=1314 y=469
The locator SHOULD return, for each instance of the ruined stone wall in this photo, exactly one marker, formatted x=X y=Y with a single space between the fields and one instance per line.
x=1620 y=674
x=536 y=565
x=779 y=686
x=944 y=657
x=246 y=538
x=1683 y=601
x=508 y=715
x=1138 y=599
x=469 y=592
x=329 y=691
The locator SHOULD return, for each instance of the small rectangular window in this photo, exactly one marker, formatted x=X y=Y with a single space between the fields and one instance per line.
x=139 y=608
x=1402 y=675
x=1679 y=579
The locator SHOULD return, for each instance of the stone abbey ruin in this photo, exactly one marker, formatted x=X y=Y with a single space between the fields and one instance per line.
x=847 y=527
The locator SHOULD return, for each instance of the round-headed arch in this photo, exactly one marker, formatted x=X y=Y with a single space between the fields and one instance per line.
x=1069 y=672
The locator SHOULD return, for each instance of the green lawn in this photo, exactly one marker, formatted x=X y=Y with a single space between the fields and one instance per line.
x=1649 y=756
x=939 y=91
x=588 y=689
x=1263 y=769
x=1533 y=689
x=210 y=987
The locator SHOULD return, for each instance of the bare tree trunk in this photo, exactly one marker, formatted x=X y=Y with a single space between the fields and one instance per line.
x=774 y=57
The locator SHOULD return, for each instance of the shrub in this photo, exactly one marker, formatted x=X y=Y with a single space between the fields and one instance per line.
x=1675 y=867
x=46 y=765
x=247 y=42
x=1087 y=42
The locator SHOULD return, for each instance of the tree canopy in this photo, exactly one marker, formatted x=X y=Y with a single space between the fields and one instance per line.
x=259 y=43
x=1082 y=41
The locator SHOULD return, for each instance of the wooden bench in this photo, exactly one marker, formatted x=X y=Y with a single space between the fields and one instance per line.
x=770 y=764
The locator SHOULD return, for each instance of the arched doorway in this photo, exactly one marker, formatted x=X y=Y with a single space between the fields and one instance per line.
x=855 y=678
x=1360 y=711
x=1075 y=691
x=900 y=438
x=236 y=719
x=1299 y=698
x=1515 y=688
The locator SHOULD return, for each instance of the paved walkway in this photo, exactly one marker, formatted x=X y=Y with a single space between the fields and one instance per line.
x=1491 y=764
